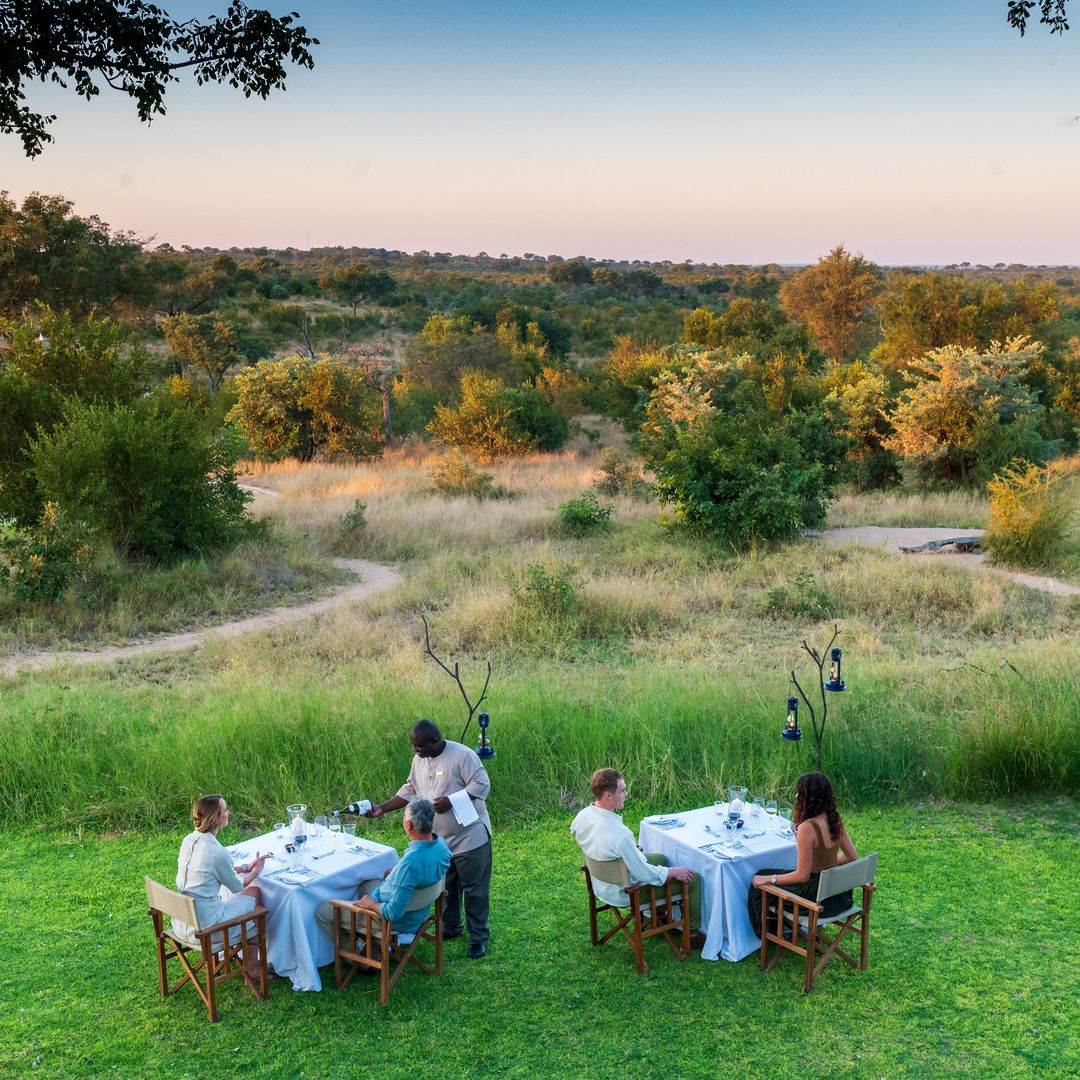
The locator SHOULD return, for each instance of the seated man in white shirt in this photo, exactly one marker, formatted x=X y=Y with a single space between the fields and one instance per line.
x=602 y=836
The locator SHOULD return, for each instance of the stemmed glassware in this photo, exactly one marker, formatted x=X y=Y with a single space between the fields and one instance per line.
x=320 y=831
x=770 y=807
x=334 y=825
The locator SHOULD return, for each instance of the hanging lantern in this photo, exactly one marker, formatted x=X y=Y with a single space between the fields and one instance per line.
x=485 y=749
x=835 y=683
x=791 y=730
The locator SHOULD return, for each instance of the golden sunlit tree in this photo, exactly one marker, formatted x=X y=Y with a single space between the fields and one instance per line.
x=834 y=299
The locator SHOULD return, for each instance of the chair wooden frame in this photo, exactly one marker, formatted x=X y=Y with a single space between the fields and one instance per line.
x=803 y=920
x=221 y=959
x=382 y=952
x=645 y=916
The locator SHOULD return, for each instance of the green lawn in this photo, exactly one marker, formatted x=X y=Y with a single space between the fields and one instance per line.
x=973 y=972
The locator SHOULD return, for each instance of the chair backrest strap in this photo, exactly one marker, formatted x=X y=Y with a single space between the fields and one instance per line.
x=613 y=871
x=172 y=903
x=846 y=876
x=422 y=898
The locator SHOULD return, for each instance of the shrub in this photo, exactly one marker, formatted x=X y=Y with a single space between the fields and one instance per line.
x=1030 y=512
x=41 y=563
x=539 y=421
x=549 y=592
x=621 y=475
x=481 y=423
x=303 y=408
x=454 y=476
x=350 y=527
x=494 y=420
x=802 y=597
x=581 y=517
x=149 y=477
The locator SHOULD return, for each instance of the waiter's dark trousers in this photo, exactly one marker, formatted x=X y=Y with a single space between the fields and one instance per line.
x=470 y=872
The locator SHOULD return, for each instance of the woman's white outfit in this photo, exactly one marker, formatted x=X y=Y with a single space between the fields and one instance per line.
x=203 y=867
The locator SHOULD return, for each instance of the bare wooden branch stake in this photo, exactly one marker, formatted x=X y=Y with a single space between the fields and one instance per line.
x=456 y=676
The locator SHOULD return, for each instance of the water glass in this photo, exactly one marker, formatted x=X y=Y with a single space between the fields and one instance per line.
x=785 y=814
x=719 y=807
x=279 y=829
x=350 y=829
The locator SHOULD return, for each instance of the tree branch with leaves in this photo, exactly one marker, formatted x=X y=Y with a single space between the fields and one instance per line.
x=136 y=48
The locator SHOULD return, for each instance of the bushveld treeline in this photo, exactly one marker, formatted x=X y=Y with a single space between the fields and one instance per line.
x=132 y=379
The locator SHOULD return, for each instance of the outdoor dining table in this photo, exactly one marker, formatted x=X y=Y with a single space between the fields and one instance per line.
x=725 y=875
x=296 y=946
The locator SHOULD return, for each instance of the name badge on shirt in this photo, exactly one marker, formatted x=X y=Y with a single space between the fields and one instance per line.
x=438 y=772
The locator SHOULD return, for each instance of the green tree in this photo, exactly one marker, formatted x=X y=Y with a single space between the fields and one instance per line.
x=304 y=408
x=204 y=344
x=731 y=466
x=834 y=299
x=147 y=477
x=966 y=413
x=861 y=393
x=138 y=49
x=924 y=311
x=51 y=359
x=355 y=283
x=50 y=255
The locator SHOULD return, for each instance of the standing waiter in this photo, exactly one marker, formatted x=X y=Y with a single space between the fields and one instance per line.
x=439 y=770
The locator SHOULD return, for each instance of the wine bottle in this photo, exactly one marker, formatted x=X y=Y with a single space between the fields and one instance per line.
x=361 y=807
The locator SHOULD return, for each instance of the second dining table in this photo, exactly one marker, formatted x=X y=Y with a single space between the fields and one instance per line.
x=334 y=865
x=726 y=859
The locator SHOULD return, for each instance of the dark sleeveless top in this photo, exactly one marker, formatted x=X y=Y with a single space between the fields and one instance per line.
x=824 y=857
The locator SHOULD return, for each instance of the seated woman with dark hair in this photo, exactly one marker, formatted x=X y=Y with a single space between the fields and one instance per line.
x=823 y=843
x=204 y=866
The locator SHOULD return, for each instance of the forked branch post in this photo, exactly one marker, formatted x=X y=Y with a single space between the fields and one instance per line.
x=455 y=674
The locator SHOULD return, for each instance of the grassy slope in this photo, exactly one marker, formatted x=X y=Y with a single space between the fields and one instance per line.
x=972 y=973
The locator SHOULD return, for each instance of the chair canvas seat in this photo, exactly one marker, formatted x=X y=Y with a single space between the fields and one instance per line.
x=823 y=920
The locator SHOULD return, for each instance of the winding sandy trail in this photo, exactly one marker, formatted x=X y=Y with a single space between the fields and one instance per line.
x=891 y=539
x=375 y=578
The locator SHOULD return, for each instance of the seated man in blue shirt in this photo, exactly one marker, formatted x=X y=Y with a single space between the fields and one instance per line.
x=425 y=861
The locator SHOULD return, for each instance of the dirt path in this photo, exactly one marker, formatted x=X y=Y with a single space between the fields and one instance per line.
x=891 y=540
x=375 y=578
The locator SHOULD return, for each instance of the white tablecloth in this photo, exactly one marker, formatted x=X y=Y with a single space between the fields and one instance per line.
x=724 y=882
x=296 y=946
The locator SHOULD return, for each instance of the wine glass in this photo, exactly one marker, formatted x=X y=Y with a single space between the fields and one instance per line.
x=279 y=829
x=770 y=807
x=320 y=831
x=334 y=825
x=759 y=805
x=718 y=807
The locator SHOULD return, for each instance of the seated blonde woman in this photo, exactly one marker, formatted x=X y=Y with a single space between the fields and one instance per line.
x=204 y=866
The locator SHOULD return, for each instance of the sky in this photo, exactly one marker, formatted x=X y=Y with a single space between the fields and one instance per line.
x=745 y=131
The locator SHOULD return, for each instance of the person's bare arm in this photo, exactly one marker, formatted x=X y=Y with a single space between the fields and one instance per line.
x=847 y=849
x=395 y=803
x=801 y=872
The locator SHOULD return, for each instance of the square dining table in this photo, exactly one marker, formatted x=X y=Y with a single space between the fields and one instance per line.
x=296 y=946
x=698 y=839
